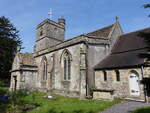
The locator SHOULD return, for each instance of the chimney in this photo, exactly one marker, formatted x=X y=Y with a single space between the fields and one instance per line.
x=61 y=21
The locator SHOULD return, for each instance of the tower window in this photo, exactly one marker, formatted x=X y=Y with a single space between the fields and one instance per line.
x=41 y=32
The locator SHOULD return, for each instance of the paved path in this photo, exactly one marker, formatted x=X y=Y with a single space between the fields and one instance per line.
x=125 y=107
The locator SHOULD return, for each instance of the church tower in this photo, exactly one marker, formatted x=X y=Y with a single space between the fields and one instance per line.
x=49 y=33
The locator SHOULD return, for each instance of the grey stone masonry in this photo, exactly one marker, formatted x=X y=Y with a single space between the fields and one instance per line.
x=49 y=33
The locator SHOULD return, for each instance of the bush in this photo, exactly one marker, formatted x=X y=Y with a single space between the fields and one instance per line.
x=3 y=95
x=142 y=110
x=4 y=83
x=16 y=97
x=52 y=111
x=93 y=88
x=3 y=91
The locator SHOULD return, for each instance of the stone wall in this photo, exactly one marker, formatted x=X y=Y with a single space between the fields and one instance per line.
x=24 y=78
x=121 y=88
x=28 y=80
x=95 y=54
x=102 y=95
x=55 y=81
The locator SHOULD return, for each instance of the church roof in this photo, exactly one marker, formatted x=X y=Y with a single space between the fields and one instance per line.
x=26 y=59
x=104 y=32
x=127 y=52
x=99 y=36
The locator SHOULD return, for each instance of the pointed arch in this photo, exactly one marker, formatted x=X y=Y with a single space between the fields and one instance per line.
x=134 y=83
x=65 y=51
x=66 y=59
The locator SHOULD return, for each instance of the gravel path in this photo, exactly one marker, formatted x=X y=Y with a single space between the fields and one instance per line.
x=125 y=107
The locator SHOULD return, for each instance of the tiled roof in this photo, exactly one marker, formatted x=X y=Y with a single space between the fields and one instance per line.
x=104 y=32
x=26 y=59
x=127 y=52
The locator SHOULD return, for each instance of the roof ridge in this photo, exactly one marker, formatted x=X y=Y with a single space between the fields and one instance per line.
x=101 y=28
x=102 y=32
x=131 y=50
x=135 y=31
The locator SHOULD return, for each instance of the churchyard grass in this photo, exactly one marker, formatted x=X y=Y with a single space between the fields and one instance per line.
x=60 y=104
x=142 y=110
x=36 y=103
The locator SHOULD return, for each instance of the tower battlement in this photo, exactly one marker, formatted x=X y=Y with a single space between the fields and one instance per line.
x=60 y=23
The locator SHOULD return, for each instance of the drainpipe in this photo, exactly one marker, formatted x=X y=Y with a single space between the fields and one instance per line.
x=145 y=93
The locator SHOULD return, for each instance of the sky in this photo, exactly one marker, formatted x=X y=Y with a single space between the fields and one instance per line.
x=82 y=16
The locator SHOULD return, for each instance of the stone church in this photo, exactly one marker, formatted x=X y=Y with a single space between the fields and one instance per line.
x=103 y=60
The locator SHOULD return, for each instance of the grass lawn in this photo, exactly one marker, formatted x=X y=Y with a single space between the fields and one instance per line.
x=142 y=110
x=60 y=104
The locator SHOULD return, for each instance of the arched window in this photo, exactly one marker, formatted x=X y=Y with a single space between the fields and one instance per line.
x=44 y=68
x=67 y=65
x=117 y=75
x=105 y=75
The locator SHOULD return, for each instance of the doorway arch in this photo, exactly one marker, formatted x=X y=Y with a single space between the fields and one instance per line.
x=134 y=83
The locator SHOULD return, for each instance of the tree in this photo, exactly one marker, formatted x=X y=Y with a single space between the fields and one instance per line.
x=146 y=80
x=10 y=44
x=147 y=6
x=146 y=35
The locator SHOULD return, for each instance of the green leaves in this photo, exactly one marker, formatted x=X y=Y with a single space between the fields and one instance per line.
x=146 y=5
x=9 y=44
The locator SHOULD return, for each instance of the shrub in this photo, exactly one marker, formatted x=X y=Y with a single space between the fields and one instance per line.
x=93 y=88
x=52 y=111
x=16 y=97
